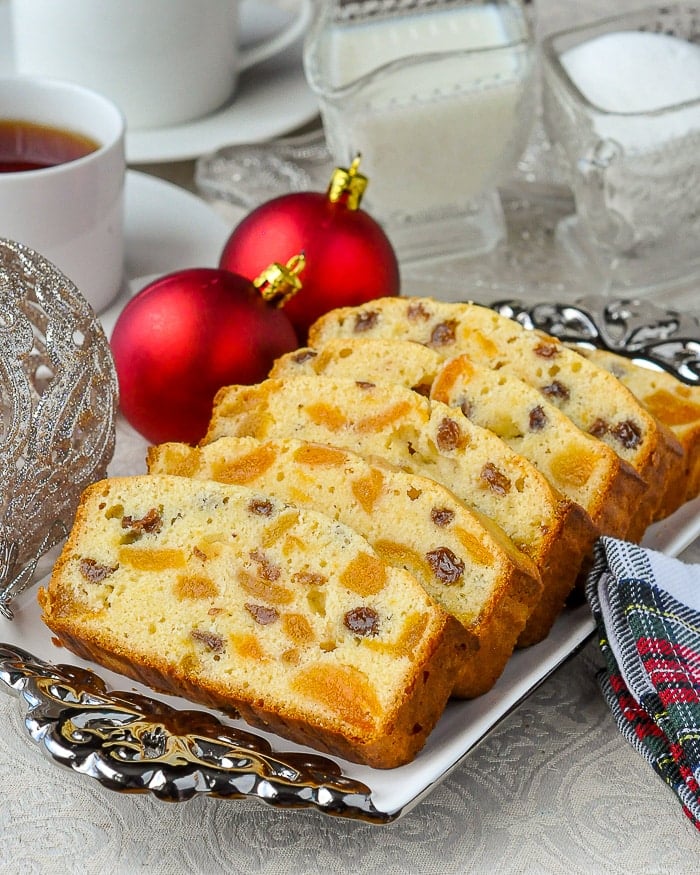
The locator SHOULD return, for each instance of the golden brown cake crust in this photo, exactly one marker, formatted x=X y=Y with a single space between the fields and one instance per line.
x=496 y=630
x=566 y=561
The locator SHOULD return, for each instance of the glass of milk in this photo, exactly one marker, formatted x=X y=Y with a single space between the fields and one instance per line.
x=621 y=104
x=437 y=97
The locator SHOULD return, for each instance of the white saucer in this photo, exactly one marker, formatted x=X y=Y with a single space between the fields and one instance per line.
x=166 y=229
x=272 y=98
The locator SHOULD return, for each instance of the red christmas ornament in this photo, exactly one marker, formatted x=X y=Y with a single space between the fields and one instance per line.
x=189 y=333
x=349 y=259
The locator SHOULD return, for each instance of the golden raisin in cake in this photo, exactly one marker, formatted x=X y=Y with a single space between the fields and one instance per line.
x=671 y=401
x=232 y=598
x=581 y=467
x=413 y=366
x=463 y=561
x=399 y=426
x=589 y=395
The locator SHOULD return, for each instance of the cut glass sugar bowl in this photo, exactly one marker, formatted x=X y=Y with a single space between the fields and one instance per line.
x=621 y=106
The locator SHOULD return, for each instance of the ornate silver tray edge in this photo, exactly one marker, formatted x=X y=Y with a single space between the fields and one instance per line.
x=631 y=327
x=133 y=743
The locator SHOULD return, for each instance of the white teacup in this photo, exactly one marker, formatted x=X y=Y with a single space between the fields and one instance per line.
x=70 y=212
x=163 y=62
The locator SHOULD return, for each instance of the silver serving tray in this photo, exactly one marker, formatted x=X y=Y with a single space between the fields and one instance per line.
x=133 y=741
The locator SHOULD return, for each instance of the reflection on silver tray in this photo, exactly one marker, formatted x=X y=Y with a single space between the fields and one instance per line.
x=131 y=742
x=634 y=328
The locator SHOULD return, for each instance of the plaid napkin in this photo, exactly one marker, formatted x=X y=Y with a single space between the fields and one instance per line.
x=647 y=608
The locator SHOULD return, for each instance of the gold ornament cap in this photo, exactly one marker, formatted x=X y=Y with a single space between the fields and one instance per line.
x=348 y=185
x=280 y=282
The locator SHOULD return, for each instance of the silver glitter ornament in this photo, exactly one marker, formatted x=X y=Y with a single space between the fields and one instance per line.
x=58 y=402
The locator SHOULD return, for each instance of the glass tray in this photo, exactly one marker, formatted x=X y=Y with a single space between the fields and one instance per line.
x=534 y=262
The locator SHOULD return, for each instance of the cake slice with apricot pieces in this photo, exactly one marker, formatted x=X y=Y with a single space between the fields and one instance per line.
x=231 y=598
x=462 y=560
x=589 y=395
x=400 y=427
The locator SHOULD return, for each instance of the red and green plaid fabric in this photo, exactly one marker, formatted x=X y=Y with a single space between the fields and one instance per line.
x=647 y=609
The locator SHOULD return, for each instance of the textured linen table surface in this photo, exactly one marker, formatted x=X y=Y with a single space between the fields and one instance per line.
x=553 y=789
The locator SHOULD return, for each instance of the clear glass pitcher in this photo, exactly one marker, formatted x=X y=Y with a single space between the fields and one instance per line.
x=438 y=98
